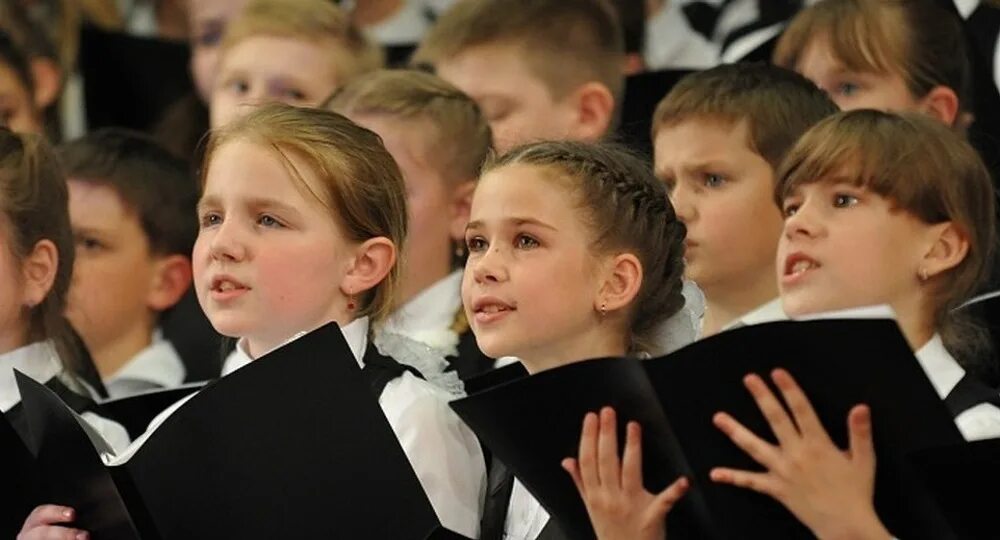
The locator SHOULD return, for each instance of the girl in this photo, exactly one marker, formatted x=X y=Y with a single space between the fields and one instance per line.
x=574 y=253
x=852 y=190
x=879 y=209
x=36 y=263
x=301 y=213
x=898 y=55
x=439 y=138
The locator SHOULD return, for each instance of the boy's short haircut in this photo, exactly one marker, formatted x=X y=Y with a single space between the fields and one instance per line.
x=777 y=104
x=565 y=43
x=156 y=186
x=309 y=20
x=459 y=139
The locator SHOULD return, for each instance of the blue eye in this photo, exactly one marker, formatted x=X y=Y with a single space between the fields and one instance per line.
x=524 y=241
x=714 y=180
x=847 y=89
x=269 y=221
x=475 y=244
x=209 y=219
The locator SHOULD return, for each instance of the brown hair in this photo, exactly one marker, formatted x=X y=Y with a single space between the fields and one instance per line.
x=153 y=184
x=362 y=185
x=309 y=20
x=927 y=170
x=626 y=208
x=920 y=40
x=459 y=138
x=565 y=44
x=34 y=206
x=777 y=104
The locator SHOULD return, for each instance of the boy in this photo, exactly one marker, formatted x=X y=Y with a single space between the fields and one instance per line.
x=718 y=138
x=546 y=69
x=439 y=139
x=132 y=209
x=293 y=51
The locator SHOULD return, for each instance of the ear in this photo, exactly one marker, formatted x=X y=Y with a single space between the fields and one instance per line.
x=47 y=76
x=949 y=247
x=595 y=106
x=460 y=207
x=621 y=284
x=171 y=279
x=39 y=270
x=372 y=262
x=942 y=103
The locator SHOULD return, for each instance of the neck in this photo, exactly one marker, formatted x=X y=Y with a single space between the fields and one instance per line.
x=724 y=306
x=110 y=358
x=601 y=343
x=417 y=283
x=372 y=12
x=13 y=337
x=915 y=321
x=257 y=346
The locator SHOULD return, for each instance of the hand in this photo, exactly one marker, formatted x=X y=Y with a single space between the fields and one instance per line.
x=617 y=503
x=44 y=524
x=828 y=489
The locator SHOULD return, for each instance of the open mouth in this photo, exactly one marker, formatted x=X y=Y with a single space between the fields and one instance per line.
x=797 y=265
x=487 y=310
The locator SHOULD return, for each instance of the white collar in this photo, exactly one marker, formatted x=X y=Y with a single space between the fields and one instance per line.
x=158 y=363
x=941 y=368
x=355 y=332
x=966 y=7
x=769 y=312
x=38 y=360
x=433 y=308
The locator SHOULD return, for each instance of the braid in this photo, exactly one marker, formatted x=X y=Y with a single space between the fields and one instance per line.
x=626 y=208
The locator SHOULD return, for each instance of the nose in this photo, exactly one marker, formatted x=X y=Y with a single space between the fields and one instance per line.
x=490 y=266
x=682 y=202
x=227 y=243
x=805 y=222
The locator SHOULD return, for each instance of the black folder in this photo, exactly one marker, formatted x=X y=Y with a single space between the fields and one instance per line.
x=20 y=493
x=534 y=422
x=292 y=446
x=135 y=412
x=963 y=479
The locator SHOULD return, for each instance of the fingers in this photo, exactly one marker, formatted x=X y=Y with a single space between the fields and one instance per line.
x=760 y=450
x=859 y=430
x=802 y=411
x=588 y=451
x=759 y=482
x=772 y=410
x=53 y=533
x=48 y=514
x=632 y=458
x=608 y=464
x=570 y=466
x=667 y=498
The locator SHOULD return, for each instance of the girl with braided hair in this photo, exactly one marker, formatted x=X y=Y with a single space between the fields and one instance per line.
x=574 y=253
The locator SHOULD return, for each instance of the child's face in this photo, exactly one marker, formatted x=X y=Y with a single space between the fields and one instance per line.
x=17 y=106
x=114 y=274
x=434 y=221
x=264 y=69
x=852 y=89
x=722 y=191
x=269 y=259
x=531 y=282
x=207 y=20
x=844 y=247
x=518 y=105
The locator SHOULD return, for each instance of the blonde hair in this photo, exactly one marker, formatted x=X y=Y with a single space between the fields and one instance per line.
x=565 y=43
x=308 y=20
x=459 y=137
x=34 y=207
x=919 y=40
x=361 y=184
x=626 y=208
x=924 y=168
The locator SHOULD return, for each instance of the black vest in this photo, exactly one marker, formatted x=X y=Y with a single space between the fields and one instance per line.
x=380 y=370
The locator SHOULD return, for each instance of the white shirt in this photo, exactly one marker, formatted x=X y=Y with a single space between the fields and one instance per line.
x=442 y=450
x=40 y=361
x=672 y=43
x=404 y=27
x=979 y=422
x=429 y=316
x=765 y=313
x=156 y=366
x=525 y=516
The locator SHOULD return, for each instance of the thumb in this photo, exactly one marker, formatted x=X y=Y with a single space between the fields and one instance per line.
x=859 y=428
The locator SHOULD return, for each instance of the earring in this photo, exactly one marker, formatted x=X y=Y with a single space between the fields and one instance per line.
x=604 y=309
x=922 y=274
x=350 y=302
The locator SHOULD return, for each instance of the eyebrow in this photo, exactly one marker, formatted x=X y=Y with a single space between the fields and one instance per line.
x=515 y=221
